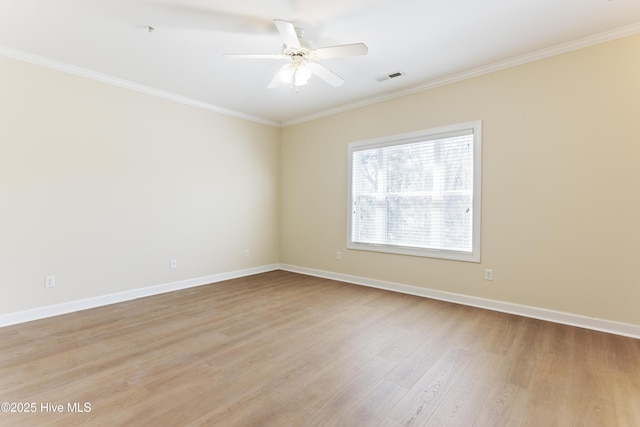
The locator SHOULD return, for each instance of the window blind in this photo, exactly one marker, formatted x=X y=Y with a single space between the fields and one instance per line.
x=416 y=193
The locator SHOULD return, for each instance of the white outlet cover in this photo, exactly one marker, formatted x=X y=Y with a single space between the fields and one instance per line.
x=49 y=281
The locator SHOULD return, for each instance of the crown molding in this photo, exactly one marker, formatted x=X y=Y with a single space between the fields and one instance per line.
x=104 y=78
x=592 y=40
x=560 y=49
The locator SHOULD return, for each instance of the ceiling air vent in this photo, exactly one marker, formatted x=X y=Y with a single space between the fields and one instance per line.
x=390 y=76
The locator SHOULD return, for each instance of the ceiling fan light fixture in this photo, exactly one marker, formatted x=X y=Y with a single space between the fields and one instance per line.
x=302 y=75
x=286 y=74
x=295 y=74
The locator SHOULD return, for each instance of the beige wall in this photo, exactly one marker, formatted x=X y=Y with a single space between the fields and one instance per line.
x=561 y=184
x=101 y=187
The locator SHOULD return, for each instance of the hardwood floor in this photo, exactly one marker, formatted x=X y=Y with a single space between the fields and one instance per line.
x=282 y=349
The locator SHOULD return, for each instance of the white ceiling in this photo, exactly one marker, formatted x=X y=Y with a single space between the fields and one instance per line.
x=428 y=40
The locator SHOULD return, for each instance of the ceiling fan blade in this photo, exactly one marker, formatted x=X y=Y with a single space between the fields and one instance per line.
x=325 y=74
x=254 y=56
x=288 y=33
x=355 y=49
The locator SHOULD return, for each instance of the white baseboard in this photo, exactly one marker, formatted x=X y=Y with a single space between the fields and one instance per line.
x=73 y=306
x=612 y=327
x=609 y=326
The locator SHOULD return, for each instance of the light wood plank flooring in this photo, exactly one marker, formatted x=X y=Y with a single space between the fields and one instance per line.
x=283 y=349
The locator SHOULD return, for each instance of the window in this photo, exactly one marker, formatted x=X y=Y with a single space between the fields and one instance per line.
x=418 y=193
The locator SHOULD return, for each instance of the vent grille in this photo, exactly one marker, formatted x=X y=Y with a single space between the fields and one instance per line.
x=390 y=76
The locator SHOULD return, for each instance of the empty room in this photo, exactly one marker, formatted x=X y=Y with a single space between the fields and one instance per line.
x=338 y=213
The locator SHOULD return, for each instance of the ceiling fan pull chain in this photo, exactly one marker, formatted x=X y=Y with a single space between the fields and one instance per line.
x=294 y=86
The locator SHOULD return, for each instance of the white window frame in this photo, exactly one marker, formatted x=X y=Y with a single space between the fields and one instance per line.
x=419 y=136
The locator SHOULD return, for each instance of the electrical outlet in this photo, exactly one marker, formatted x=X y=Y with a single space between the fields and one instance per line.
x=173 y=263
x=338 y=255
x=488 y=274
x=245 y=253
x=49 y=281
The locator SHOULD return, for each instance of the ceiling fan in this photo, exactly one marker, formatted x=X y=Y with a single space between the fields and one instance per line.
x=302 y=59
